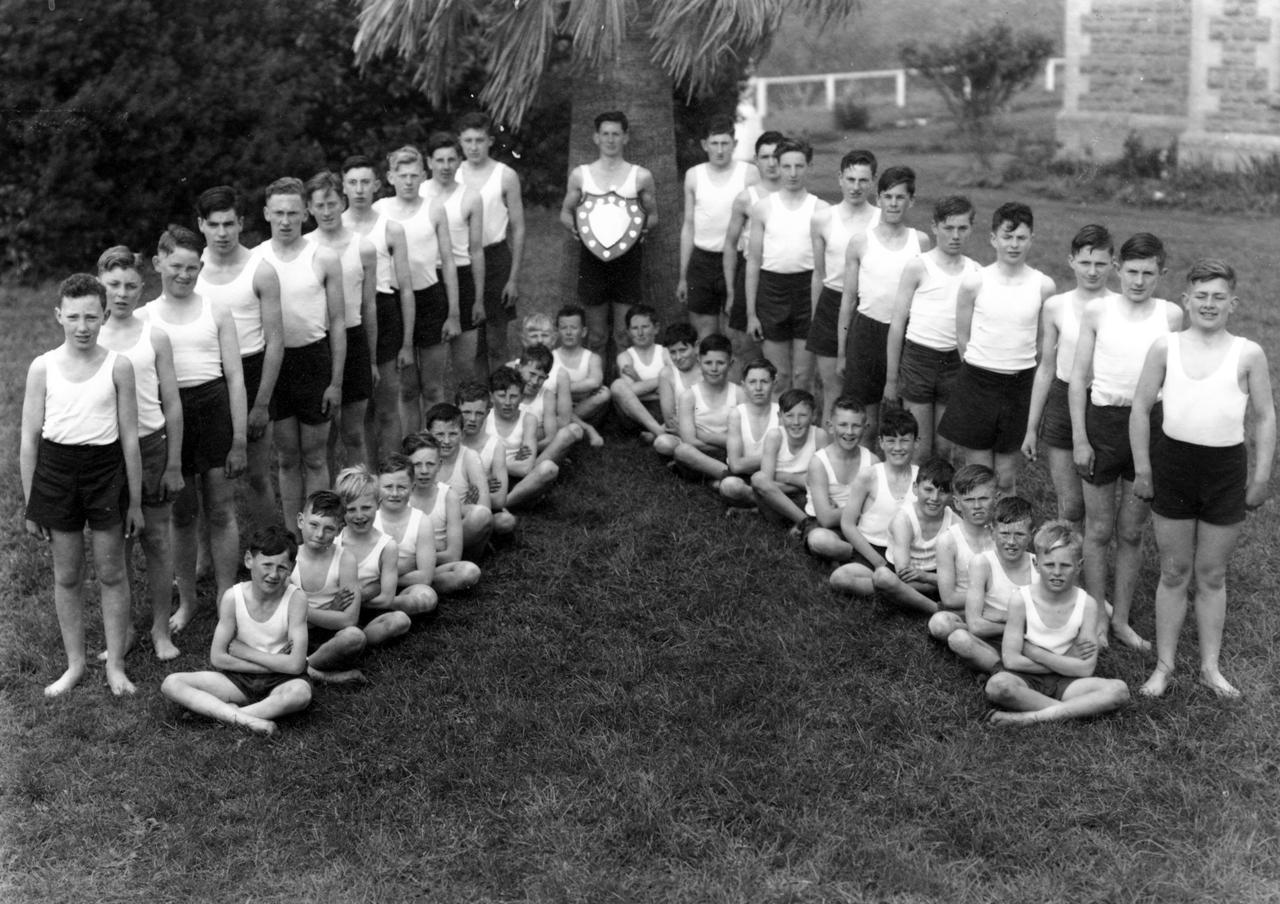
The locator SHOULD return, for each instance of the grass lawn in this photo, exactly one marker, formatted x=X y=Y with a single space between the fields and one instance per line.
x=646 y=701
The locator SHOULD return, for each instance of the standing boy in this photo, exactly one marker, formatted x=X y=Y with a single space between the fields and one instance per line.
x=736 y=239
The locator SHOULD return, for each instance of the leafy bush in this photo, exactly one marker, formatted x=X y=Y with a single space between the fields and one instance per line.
x=850 y=115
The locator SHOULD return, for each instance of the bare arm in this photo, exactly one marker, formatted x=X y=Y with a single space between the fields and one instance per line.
x=848 y=296
x=912 y=275
x=515 y=229
x=171 y=403
x=859 y=497
x=331 y=278
x=476 y=478
x=648 y=198
x=684 y=415
x=452 y=551
x=32 y=425
x=1078 y=389
x=737 y=219
x=344 y=609
x=1045 y=372
x=818 y=238
x=1263 y=410
x=475 y=246
x=686 y=238
x=424 y=565
x=127 y=418
x=384 y=591
x=369 y=301
x=397 y=244
x=233 y=373
x=572 y=198
x=965 y=297
x=820 y=494
x=448 y=270
x=755 y=257
x=266 y=284
x=949 y=595
x=769 y=453
x=1144 y=398
x=975 y=603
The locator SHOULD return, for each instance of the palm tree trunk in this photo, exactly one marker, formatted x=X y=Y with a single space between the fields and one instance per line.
x=635 y=85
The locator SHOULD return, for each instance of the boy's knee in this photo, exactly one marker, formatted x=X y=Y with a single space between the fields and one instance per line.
x=468 y=574
x=760 y=483
x=885 y=579
x=297 y=694
x=942 y=625
x=1117 y=692
x=959 y=640
x=172 y=685
x=666 y=444
x=350 y=640
x=548 y=470
x=844 y=579
x=1001 y=688
x=396 y=623
x=574 y=432
x=504 y=522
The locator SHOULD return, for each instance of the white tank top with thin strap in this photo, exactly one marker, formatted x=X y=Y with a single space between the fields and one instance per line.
x=328 y=589
x=79 y=413
x=492 y=203
x=1056 y=640
x=420 y=242
x=146 y=381
x=1006 y=318
x=407 y=542
x=932 y=318
x=369 y=569
x=197 y=354
x=880 y=271
x=713 y=204
x=795 y=461
x=1208 y=411
x=837 y=492
x=238 y=297
x=1069 y=335
x=874 y=522
x=304 y=306
x=1001 y=588
x=629 y=187
x=787 y=245
x=459 y=228
x=836 y=244
x=752 y=444
x=923 y=552
x=270 y=636
x=1120 y=348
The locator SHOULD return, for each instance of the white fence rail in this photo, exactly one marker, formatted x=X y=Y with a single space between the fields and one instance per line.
x=760 y=84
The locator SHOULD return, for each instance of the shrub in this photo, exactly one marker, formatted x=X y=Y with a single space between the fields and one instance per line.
x=850 y=115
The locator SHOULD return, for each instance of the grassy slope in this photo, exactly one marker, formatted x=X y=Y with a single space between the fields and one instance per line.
x=646 y=701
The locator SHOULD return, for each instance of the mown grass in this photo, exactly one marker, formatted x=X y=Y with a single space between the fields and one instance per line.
x=646 y=701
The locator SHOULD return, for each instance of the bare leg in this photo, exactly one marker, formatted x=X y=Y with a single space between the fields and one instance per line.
x=694 y=458
x=534 y=485
x=598 y=328
x=705 y=324
x=854 y=578
x=339 y=650
x=629 y=406
x=455 y=577
x=801 y=366
x=477 y=527
x=314 y=442
x=975 y=652
x=155 y=544
x=183 y=546
x=1214 y=544
x=1007 y=465
x=558 y=449
x=1176 y=540
x=416 y=599
x=290 y=697
x=830 y=384
x=872 y=432
x=774 y=499
x=745 y=350
x=68 y=584
x=1083 y=697
x=923 y=412
x=902 y=594
x=384 y=627
x=620 y=338
x=829 y=544
x=384 y=425
x=261 y=495
x=351 y=434
x=410 y=403
x=1066 y=485
x=1130 y=520
x=943 y=624
x=108 y=563
x=942 y=447
x=462 y=354
x=211 y=694
x=780 y=354
x=737 y=492
x=432 y=361
x=220 y=500
x=289 y=471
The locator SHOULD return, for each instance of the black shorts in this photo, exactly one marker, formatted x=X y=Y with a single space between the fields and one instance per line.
x=1055 y=423
x=783 y=305
x=1207 y=483
x=357 y=373
x=1050 y=684
x=823 y=340
x=738 y=310
x=988 y=410
x=926 y=375
x=497 y=270
x=304 y=376
x=251 y=367
x=866 y=359
x=705 y=277
x=77 y=485
x=466 y=295
x=390 y=327
x=620 y=280
x=154 y=451
x=430 y=311
x=1107 y=427
x=259 y=685
x=206 y=426
x=862 y=560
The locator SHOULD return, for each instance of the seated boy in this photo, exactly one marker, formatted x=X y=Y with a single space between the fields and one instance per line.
x=830 y=479
x=640 y=367
x=582 y=370
x=973 y=491
x=749 y=423
x=460 y=468
x=541 y=398
x=994 y=578
x=375 y=555
x=413 y=536
x=1049 y=644
x=259 y=644
x=472 y=399
x=784 y=462
x=517 y=433
x=681 y=342
x=915 y=530
x=704 y=413
x=444 y=516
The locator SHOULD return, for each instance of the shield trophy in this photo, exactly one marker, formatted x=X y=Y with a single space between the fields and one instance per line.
x=609 y=224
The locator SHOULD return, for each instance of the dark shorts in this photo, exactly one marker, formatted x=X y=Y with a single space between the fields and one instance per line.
x=206 y=426
x=1207 y=483
x=390 y=327
x=77 y=485
x=866 y=359
x=1051 y=685
x=861 y=560
x=620 y=280
x=497 y=270
x=466 y=295
x=705 y=277
x=258 y=686
x=926 y=376
x=823 y=340
x=988 y=410
x=154 y=450
x=738 y=310
x=357 y=373
x=1107 y=427
x=251 y=366
x=430 y=311
x=305 y=373
x=1055 y=423
x=783 y=305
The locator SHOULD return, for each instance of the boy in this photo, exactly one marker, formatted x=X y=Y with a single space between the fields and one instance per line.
x=540 y=397
x=780 y=268
x=325 y=573
x=460 y=468
x=681 y=342
x=582 y=370
x=159 y=428
x=503 y=216
x=703 y=413
x=516 y=431
x=830 y=480
x=709 y=192
x=440 y=503
x=873 y=265
x=1049 y=414
x=1199 y=484
x=79 y=458
x=997 y=323
x=473 y=403
x=635 y=392
x=915 y=530
x=411 y=532
x=1115 y=334
x=973 y=492
x=787 y=450
x=831 y=230
x=1048 y=644
x=994 y=578
x=921 y=357
x=736 y=239
x=259 y=645
x=749 y=423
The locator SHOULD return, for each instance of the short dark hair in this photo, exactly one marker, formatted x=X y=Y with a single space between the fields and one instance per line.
x=715 y=342
x=640 y=310
x=969 y=477
x=1210 y=268
x=474 y=120
x=442 y=411
x=82 y=285
x=286 y=185
x=571 y=310
x=849 y=402
x=680 y=331
x=438 y=140
x=1093 y=236
x=897 y=175
x=220 y=197
x=420 y=440
x=394 y=463
x=323 y=181
x=470 y=391
x=898 y=422
x=1014 y=212
x=537 y=354
x=761 y=363
x=795 y=146
x=859 y=157
x=504 y=378
x=175 y=237
x=718 y=125
x=770 y=137
x=613 y=116
x=939 y=472
x=793 y=397
x=1142 y=246
x=327 y=504
x=119 y=257
x=358 y=161
x=952 y=206
x=1012 y=509
x=272 y=539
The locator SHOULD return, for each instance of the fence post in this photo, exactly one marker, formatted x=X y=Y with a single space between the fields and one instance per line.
x=831 y=92
x=900 y=88
x=1049 y=74
x=762 y=96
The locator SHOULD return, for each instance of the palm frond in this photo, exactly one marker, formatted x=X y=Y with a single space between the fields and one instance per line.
x=520 y=38
x=430 y=33
x=597 y=28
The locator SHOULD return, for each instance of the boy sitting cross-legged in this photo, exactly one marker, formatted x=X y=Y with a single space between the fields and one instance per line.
x=556 y=434
x=788 y=449
x=259 y=645
x=640 y=367
x=973 y=492
x=412 y=533
x=460 y=468
x=517 y=432
x=440 y=503
x=915 y=530
x=704 y=413
x=830 y=480
x=582 y=370
x=1049 y=643
x=472 y=399
x=375 y=555
x=749 y=423
x=681 y=342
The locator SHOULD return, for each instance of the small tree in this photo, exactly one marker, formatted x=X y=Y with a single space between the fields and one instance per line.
x=978 y=74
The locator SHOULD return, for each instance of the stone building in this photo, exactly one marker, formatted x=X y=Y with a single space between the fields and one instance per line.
x=1205 y=73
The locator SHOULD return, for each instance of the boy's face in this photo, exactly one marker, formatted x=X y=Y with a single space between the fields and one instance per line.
x=426 y=465
x=394 y=488
x=1091 y=267
x=856 y=184
x=81 y=320
x=952 y=233
x=611 y=139
x=221 y=230
x=719 y=149
x=758 y=385
x=931 y=498
x=285 y=214
x=269 y=574
x=318 y=531
x=797 y=420
x=897 y=450
x=1011 y=242
x=848 y=427
x=683 y=355
x=124 y=290
x=793 y=168
x=406 y=179
x=642 y=331
x=537 y=334
x=767 y=162
x=975 y=505
x=360 y=184
x=178 y=270
x=1058 y=568
x=1139 y=277
x=448 y=434
x=507 y=402
x=1210 y=303
x=715 y=367
x=360 y=512
x=895 y=201
x=476 y=144
x=473 y=415
x=444 y=165
x=1012 y=539
x=326 y=208
x=534 y=376
x=570 y=330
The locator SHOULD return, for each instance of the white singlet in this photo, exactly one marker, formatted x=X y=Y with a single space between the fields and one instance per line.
x=352 y=279
x=1208 y=411
x=922 y=555
x=328 y=589
x=713 y=204
x=932 y=319
x=197 y=355
x=1119 y=349
x=753 y=445
x=420 y=242
x=1001 y=588
x=377 y=236
x=304 y=306
x=874 y=522
x=836 y=238
x=459 y=228
x=512 y=437
x=238 y=297
x=796 y=462
x=146 y=382
x=964 y=555
x=407 y=542
x=629 y=188
x=650 y=371
x=713 y=420
x=1069 y=335
x=1056 y=640
x=458 y=476
x=79 y=413
x=880 y=271
x=787 y=245
x=493 y=204
x=1002 y=337
x=369 y=569
x=488 y=451
x=270 y=636
x=837 y=492
x=753 y=198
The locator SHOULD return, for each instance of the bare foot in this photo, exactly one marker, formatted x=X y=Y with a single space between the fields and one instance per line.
x=70 y=678
x=734 y=511
x=1130 y=638
x=647 y=437
x=165 y=650
x=1103 y=640
x=1002 y=717
x=119 y=682
x=1157 y=684
x=264 y=727
x=1213 y=680
x=346 y=676
x=595 y=439
x=181 y=618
